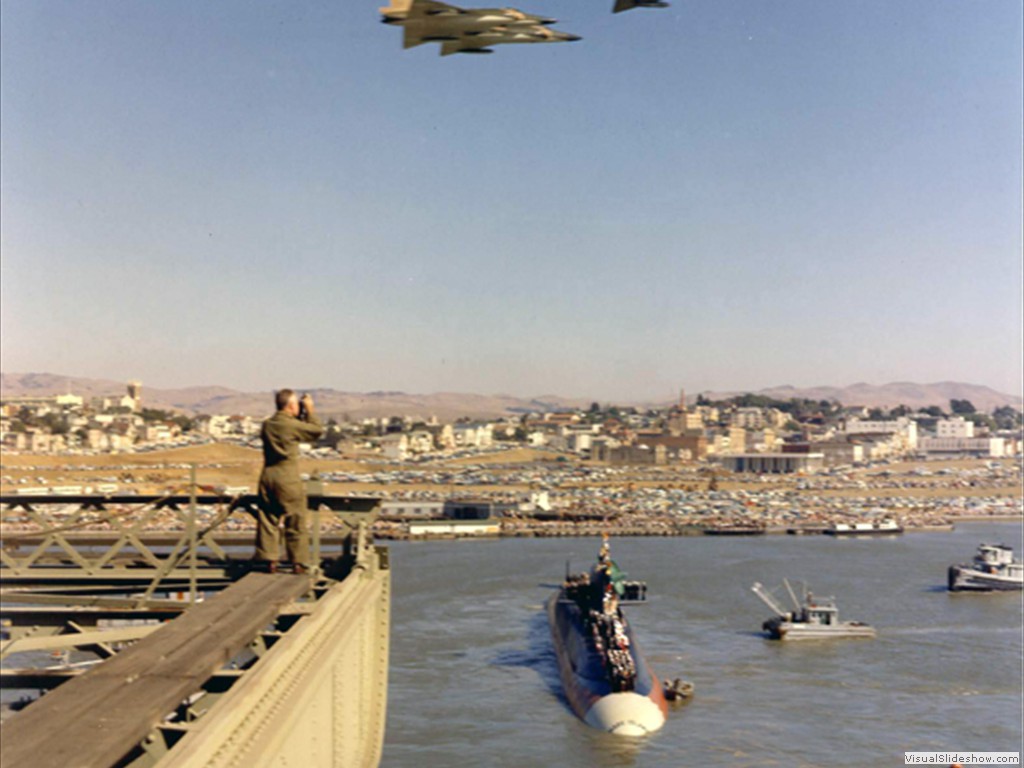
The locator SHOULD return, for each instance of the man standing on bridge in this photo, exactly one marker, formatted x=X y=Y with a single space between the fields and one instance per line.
x=282 y=493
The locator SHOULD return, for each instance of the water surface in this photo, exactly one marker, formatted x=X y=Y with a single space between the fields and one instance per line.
x=473 y=679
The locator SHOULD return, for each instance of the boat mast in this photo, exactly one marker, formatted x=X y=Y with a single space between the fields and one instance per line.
x=768 y=598
x=796 y=603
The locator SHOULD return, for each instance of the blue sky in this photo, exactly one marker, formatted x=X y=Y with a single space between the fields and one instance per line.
x=721 y=195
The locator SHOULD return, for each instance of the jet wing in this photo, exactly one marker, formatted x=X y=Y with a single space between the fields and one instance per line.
x=623 y=5
x=413 y=36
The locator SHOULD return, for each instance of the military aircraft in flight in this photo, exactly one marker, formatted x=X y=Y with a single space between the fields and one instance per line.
x=467 y=30
x=625 y=5
x=476 y=42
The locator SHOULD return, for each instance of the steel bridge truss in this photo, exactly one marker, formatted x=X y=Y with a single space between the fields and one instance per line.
x=305 y=687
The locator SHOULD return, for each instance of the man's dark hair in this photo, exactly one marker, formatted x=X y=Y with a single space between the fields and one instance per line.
x=282 y=397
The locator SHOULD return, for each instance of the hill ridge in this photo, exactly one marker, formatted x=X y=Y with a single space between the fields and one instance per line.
x=449 y=405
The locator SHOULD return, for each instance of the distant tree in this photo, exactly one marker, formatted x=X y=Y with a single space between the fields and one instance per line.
x=900 y=410
x=934 y=410
x=749 y=400
x=154 y=414
x=595 y=407
x=55 y=423
x=876 y=414
x=185 y=423
x=961 y=406
x=1007 y=417
x=982 y=420
x=702 y=400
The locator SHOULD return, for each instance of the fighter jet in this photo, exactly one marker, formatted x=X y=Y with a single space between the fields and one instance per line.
x=463 y=30
x=477 y=42
x=625 y=5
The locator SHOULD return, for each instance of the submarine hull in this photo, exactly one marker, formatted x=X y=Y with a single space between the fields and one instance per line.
x=638 y=712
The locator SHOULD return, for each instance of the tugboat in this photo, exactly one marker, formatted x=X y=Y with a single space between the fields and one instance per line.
x=994 y=569
x=817 y=618
x=606 y=680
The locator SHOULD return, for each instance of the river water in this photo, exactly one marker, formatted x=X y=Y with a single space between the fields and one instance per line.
x=474 y=682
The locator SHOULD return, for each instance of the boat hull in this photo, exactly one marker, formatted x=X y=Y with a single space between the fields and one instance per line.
x=626 y=713
x=785 y=630
x=863 y=532
x=965 y=579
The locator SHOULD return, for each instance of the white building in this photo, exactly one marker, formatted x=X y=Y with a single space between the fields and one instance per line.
x=903 y=430
x=748 y=418
x=454 y=528
x=411 y=508
x=473 y=435
x=68 y=401
x=536 y=438
x=578 y=441
x=994 y=447
x=421 y=441
x=395 y=446
x=956 y=426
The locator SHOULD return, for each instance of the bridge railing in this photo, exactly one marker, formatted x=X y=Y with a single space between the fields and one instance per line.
x=180 y=536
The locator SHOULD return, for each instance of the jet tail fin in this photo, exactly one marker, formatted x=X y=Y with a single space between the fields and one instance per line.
x=399 y=9
x=620 y=5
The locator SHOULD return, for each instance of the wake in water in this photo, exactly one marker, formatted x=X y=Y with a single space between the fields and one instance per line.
x=538 y=655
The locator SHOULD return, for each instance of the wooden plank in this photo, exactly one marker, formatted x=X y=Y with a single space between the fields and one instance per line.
x=94 y=720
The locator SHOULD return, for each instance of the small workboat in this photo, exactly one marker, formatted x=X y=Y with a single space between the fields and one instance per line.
x=814 y=618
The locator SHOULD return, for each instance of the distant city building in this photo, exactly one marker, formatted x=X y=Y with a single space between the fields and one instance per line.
x=629 y=455
x=450 y=528
x=773 y=463
x=737 y=440
x=677 y=447
x=411 y=508
x=395 y=447
x=473 y=435
x=748 y=418
x=835 y=452
x=474 y=509
x=956 y=426
x=963 y=446
x=133 y=399
x=903 y=430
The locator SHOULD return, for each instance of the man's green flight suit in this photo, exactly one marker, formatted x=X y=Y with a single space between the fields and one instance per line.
x=282 y=491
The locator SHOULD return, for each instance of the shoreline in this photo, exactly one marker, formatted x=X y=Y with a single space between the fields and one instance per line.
x=160 y=537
